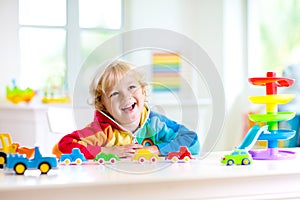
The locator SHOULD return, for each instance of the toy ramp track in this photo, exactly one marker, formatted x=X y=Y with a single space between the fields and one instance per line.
x=252 y=137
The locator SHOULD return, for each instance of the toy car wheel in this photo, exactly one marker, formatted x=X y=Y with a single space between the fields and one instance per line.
x=44 y=167
x=153 y=159
x=175 y=159
x=2 y=159
x=230 y=162
x=67 y=161
x=245 y=161
x=113 y=161
x=142 y=160
x=78 y=161
x=20 y=168
x=101 y=161
x=186 y=159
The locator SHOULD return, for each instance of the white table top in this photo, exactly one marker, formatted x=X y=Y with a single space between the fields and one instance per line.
x=205 y=178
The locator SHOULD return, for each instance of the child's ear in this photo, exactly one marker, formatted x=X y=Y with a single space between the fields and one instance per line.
x=144 y=91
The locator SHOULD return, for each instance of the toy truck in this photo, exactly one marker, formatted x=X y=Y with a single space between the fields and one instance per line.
x=7 y=147
x=19 y=163
x=183 y=154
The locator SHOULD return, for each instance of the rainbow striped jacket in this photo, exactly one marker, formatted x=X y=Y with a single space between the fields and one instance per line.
x=155 y=129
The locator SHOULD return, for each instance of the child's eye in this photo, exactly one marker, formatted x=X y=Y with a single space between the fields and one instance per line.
x=132 y=87
x=114 y=94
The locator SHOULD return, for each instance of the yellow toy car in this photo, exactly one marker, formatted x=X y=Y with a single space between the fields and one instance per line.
x=142 y=155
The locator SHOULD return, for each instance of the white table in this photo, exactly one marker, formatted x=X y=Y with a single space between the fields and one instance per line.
x=205 y=178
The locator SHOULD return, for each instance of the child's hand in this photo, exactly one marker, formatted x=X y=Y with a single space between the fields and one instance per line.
x=125 y=151
x=153 y=149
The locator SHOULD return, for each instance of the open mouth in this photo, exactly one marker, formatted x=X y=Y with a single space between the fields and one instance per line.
x=129 y=108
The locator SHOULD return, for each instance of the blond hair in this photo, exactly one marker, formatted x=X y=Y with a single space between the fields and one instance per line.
x=110 y=77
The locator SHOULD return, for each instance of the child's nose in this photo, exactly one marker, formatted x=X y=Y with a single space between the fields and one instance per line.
x=126 y=96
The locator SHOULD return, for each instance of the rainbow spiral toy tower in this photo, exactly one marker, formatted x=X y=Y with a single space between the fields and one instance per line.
x=272 y=117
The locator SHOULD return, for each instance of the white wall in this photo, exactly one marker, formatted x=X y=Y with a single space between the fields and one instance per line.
x=201 y=20
x=235 y=71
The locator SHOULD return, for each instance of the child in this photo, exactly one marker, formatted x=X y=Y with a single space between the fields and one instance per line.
x=123 y=123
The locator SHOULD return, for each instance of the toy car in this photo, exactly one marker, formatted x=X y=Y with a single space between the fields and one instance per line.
x=75 y=157
x=143 y=154
x=103 y=157
x=20 y=163
x=183 y=154
x=238 y=157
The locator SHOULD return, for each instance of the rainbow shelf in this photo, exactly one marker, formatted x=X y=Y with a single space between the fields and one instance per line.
x=272 y=116
x=166 y=72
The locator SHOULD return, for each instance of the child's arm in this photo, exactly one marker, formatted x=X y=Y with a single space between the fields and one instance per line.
x=173 y=135
x=73 y=140
x=183 y=137
x=125 y=151
x=98 y=137
x=89 y=139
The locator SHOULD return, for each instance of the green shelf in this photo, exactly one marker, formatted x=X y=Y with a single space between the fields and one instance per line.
x=276 y=117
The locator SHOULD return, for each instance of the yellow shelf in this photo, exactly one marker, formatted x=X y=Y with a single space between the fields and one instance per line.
x=272 y=99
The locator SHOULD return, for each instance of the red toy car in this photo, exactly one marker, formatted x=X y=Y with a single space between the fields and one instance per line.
x=183 y=154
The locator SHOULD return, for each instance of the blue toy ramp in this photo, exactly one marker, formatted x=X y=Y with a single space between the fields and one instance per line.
x=252 y=137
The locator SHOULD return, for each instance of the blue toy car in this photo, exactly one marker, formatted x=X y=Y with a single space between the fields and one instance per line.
x=75 y=157
x=19 y=163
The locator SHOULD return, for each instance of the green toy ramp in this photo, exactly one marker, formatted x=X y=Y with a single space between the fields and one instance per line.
x=278 y=117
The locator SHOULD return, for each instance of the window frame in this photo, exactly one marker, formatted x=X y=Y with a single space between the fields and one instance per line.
x=73 y=57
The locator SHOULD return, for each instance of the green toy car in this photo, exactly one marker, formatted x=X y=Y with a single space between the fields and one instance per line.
x=238 y=157
x=103 y=157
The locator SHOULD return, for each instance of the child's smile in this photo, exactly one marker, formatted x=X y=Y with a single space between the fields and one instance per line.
x=129 y=108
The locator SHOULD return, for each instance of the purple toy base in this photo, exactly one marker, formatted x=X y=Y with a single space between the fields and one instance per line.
x=272 y=154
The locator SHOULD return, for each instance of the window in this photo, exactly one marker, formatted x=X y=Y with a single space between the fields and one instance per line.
x=274 y=39
x=57 y=35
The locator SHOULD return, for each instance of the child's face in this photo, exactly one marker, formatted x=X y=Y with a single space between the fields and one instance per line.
x=126 y=101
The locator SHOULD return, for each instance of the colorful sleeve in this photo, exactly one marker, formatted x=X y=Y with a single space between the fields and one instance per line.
x=89 y=139
x=172 y=135
x=74 y=140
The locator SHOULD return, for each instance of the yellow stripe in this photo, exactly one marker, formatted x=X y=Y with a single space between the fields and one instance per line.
x=144 y=115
